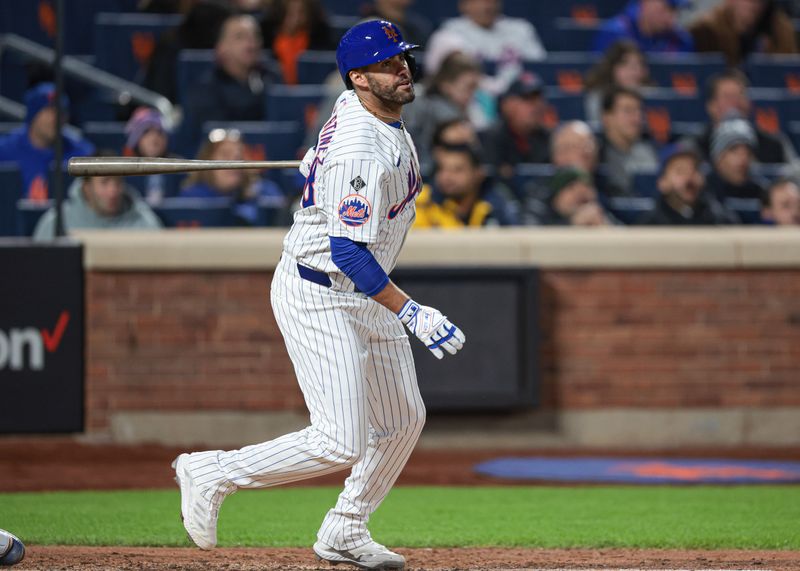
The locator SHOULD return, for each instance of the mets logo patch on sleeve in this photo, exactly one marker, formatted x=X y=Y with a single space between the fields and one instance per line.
x=354 y=210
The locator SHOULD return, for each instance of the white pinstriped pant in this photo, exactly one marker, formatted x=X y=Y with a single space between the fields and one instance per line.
x=354 y=365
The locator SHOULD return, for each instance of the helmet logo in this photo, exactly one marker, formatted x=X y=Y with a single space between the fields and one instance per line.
x=390 y=33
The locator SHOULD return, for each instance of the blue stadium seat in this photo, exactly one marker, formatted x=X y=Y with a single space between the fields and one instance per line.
x=267 y=140
x=36 y=21
x=567 y=106
x=106 y=134
x=781 y=71
x=682 y=129
x=629 y=210
x=665 y=110
x=191 y=65
x=644 y=184
x=342 y=7
x=769 y=172
x=794 y=133
x=314 y=67
x=567 y=34
x=748 y=209
x=565 y=70
x=28 y=214
x=587 y=11
x=294 y=103
x=774 y=108
x=98 y=104
x=8 y=126
x=685 y=73
x=10 y=190
x=532 y=177
x=13 y=76
x=124 y=42
x=196 y=213
x=272 y=212
x=172 y=184
x=341 y=23
x=680 y=107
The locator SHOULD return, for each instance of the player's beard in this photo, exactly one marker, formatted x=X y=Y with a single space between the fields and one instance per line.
x=390 y=94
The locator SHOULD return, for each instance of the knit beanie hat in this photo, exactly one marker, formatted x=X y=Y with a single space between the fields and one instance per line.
x=142 y=120
x=729 y=133
x=41 y=96
x=564 y=177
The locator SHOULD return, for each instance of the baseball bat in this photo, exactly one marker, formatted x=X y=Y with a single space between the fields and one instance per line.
x=132 y=166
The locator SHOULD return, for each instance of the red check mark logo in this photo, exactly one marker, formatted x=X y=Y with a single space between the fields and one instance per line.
x=53 y=340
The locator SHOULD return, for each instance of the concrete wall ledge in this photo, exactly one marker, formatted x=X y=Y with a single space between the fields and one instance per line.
x=556 y=248
x=602 y=428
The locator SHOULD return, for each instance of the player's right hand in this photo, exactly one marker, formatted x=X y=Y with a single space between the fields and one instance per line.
x=432 y=328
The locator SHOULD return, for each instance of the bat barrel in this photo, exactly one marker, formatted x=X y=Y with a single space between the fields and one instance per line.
x=133 y=166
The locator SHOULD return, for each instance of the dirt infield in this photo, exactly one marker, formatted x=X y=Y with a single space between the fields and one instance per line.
x=157 y=559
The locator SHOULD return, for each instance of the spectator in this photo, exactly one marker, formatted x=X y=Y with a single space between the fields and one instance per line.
x=683 y=200
x=462 y=194
x=726 y=94
x=732 y=147
x=624 y=149
x=738 y=28
x=234 y=89
x=455 y=132
x=242 y=188
x=485 y=33
x=651 y=24
x=623 y=65
x=449 y=95
x=780 y=204
x=573 y=144
x=197 y=31
x=519 y=135
x=99 y=202
x=31 y=146
x=571 y=200
x=148 y=137
x=416 y=28
x=293 y=26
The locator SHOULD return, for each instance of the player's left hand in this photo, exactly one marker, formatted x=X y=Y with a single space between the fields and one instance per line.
x=432 y=328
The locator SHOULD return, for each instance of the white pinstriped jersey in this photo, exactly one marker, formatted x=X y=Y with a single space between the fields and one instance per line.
x=362 y=181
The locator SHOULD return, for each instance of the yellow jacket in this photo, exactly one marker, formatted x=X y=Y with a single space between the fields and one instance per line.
x=442 y=213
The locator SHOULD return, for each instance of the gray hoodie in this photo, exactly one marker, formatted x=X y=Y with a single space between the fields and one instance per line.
x=135 y=214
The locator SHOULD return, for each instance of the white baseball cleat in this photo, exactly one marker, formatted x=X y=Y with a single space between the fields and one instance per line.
x=371 y=555
x=200 y=502
x=12 y=550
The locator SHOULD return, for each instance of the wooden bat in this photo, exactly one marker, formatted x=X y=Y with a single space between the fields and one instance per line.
x=131 y=166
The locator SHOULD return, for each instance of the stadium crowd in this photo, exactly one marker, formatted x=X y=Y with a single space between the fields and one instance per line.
x=617 y=112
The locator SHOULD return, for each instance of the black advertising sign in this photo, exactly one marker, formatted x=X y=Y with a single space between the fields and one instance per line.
x=497 y=308
x=41 y=338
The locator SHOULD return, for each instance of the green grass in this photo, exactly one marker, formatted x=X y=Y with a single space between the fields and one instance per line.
x=756 y=517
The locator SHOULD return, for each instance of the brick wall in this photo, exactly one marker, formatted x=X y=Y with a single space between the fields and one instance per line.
x=671 y=338
x=652 y=339
x=183 y=341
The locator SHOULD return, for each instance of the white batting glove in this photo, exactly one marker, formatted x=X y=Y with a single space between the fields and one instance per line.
x=432 y=328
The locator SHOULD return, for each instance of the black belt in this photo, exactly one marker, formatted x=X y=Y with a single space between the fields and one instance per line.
x=317 y=277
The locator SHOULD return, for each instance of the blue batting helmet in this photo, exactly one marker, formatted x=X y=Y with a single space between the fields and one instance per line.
x=369 y=42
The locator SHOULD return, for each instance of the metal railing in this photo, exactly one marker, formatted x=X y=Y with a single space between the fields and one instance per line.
x=12 y=109
x=125 y=91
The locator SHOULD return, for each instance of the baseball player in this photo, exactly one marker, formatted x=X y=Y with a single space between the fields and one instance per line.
x=341 y=316
x=12 y=550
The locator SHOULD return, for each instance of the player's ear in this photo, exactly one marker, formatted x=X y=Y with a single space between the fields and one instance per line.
x=358 y=78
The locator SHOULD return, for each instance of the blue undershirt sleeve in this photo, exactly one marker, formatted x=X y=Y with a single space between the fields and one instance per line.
x=358 y=264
